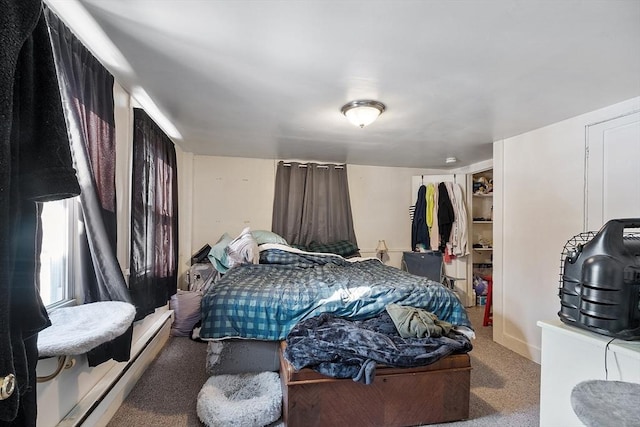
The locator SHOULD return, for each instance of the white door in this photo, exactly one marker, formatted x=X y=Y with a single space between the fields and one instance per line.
x=613 y=171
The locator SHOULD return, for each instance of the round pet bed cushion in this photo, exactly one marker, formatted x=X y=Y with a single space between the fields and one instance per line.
x=606 y=403
x=78 y=329
x=246 y=400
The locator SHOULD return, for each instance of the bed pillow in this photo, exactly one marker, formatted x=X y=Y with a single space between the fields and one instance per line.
x=186 y=311
x=218 y=253
x=243 y=250
x=341 y=247
x=264 y=236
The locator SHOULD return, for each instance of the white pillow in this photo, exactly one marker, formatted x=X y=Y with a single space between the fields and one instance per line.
x=243 y=250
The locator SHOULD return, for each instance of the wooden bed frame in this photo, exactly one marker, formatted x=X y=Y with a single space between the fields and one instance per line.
x=429 y=394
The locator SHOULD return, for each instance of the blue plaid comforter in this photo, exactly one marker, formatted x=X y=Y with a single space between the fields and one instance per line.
x=264 y=301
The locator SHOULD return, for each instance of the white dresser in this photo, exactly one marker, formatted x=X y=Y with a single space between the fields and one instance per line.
x=571 y=355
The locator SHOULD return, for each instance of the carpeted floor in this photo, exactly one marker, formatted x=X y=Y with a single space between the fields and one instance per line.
x=504 y=386
x=166 y=394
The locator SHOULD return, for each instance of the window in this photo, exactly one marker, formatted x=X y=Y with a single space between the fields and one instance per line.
x=312 y=203
x=59 y=226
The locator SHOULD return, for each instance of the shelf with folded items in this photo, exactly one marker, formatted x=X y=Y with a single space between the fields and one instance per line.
x=481 y=230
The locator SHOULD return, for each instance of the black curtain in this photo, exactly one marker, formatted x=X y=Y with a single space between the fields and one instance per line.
x=154 y=216
x=35 y=166
x=312 y=203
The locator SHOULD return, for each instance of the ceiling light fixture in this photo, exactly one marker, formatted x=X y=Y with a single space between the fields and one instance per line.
x=363 y=112
x=450 y=160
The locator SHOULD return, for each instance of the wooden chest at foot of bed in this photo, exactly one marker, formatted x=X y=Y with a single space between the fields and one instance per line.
x=397 y=397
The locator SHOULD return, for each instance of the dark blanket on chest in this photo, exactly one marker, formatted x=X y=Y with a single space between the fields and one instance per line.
x=342 y=348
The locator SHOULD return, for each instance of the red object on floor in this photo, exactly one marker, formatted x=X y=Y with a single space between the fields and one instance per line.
x=488 y=309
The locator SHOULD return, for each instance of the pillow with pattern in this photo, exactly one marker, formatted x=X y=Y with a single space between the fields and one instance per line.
x=243 y=250
x=341 y=247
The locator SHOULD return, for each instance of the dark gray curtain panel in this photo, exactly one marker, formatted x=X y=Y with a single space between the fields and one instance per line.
x=154 y=216
x=87 y=99
x=87 y=94
x=312 y=203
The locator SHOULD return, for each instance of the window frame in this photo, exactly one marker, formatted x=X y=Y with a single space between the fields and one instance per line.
x=71 y=291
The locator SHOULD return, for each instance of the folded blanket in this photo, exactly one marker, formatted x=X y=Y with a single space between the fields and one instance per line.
x=417 y=322
x=342 y=348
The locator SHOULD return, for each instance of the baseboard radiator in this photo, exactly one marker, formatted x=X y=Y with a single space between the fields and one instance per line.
x=98 y=406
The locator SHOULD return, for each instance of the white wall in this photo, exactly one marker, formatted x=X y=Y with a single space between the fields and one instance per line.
x=221 y=195
x=229 y=195
x=185 y=197
x=538 y=206
x=380 y=200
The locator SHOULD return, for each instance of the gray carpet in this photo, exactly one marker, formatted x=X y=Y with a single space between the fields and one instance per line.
x=166 y=394
x=504 y=386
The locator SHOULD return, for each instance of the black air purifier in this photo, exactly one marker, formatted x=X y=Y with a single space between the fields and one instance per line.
x=600 y=280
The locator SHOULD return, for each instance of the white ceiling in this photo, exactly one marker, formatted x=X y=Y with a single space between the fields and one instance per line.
x=267 y=79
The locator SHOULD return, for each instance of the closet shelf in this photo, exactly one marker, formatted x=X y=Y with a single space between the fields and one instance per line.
x=481 y=230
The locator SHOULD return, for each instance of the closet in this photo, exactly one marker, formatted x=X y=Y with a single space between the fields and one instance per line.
x=457 y=267
x=478 y=265
x=480 y=188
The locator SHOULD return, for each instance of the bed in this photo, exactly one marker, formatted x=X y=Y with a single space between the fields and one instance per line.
x=262 y=303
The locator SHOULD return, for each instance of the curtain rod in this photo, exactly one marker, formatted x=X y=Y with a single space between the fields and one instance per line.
x=304 y=165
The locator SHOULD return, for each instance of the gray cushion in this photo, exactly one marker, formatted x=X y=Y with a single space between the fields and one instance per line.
x=186 y=308
x=81 y=328
x=600 y=403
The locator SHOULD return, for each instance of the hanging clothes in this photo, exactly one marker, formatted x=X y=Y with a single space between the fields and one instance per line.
x=458 y=242
x=419 y=230
x=432 y=216
x=446 y=216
